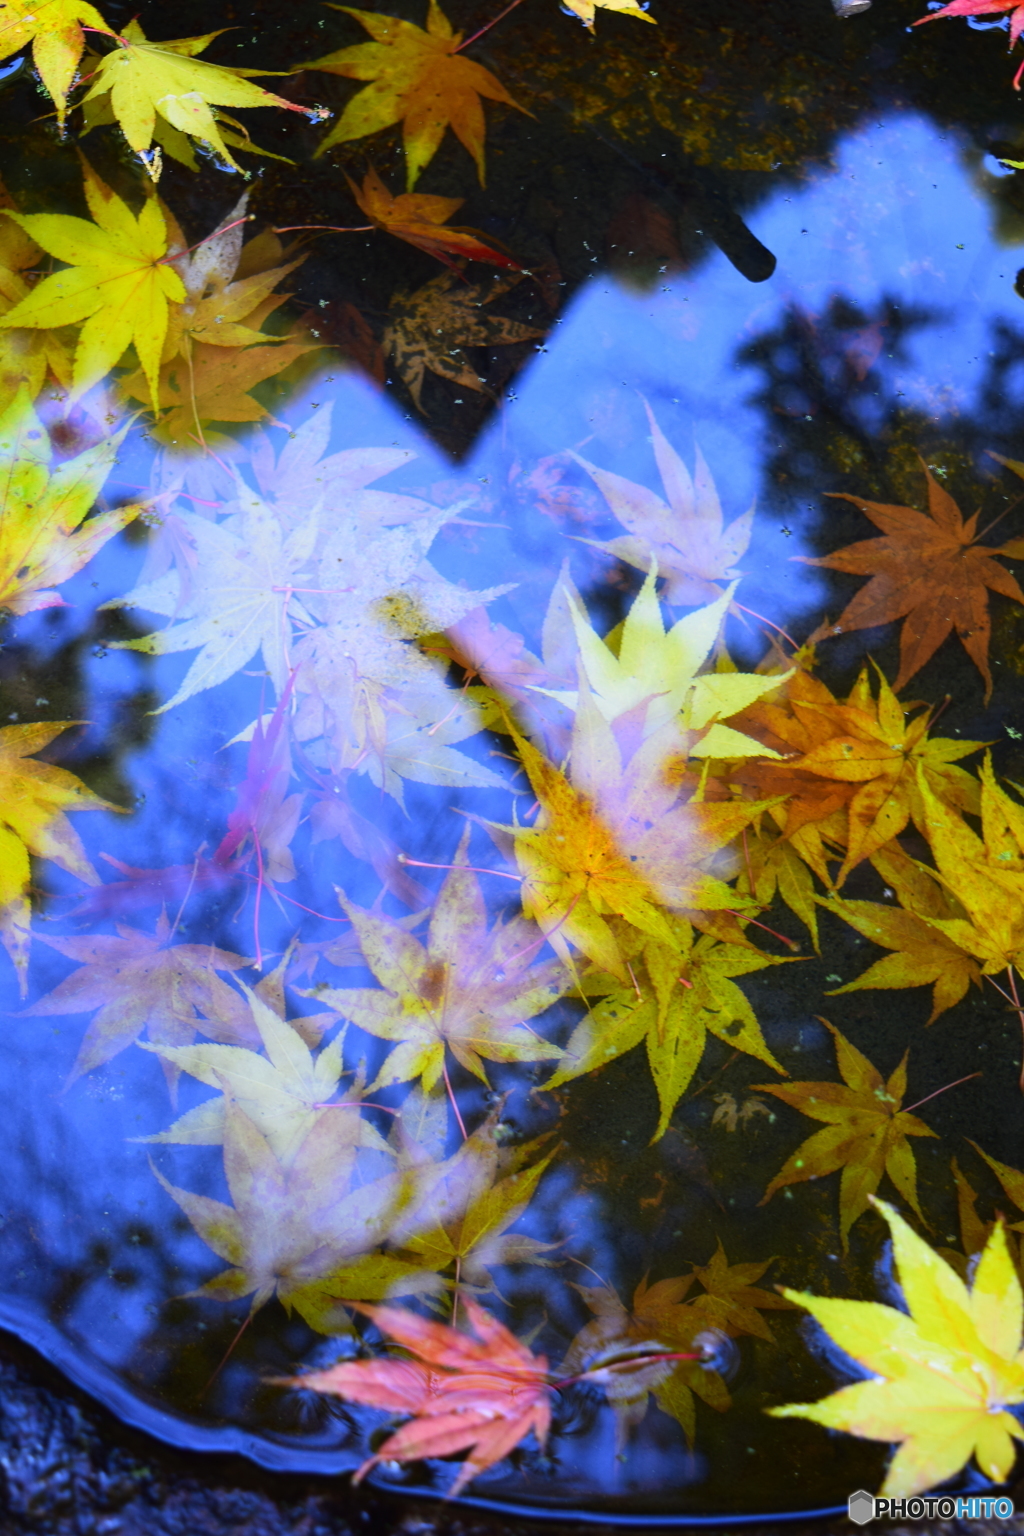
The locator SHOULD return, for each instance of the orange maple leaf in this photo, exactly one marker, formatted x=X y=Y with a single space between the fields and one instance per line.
x=417 y=218
x=481 y=1391
x=927 y=570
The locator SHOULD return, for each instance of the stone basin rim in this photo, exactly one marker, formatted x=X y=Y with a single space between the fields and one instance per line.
x=101 y=1384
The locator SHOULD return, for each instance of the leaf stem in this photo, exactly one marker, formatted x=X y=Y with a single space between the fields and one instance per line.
x=908 y=1107
x=454 y=1101
x=337 y=229
x=500 y=17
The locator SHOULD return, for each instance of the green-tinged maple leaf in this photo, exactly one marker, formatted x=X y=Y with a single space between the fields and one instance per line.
x=657 y=670
x=929 y=571
x=943 y=1378
x=675 y=994
x=34 y=797
x=145 y=982
x=116 y=283
x=985 y=874
x=923 y=954
x=55 y=28
x=44 y=537
x=430 y=328
x=145 y=78
x=26 y=356
x=481 y=1391
x=467 y=989
x=659 y=1322
x=284 y=1092
x=238 y=600
x=865 y=1133
x=731 y=1301
x=418 y=78
x=299 y=1231
x=682 y=536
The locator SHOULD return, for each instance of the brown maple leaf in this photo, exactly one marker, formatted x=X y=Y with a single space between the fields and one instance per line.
x=430 y=328
x=929 y=571
x=481 y=1391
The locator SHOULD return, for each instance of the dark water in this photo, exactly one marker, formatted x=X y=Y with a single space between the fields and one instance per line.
x=792 y=236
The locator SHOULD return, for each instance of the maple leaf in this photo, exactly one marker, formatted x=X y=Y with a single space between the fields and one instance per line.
x=239 y=598
x=144 y=982
x=116 y=283
x=26 y=356
x=683 y=535
x=482 y=1391
x=943 y=1374
x=34 y=797
x=44 y=537
x=463 y=1220
x=657 y=669
x=929 y=571
x=985 y=874
x=865 y=1133
x=145 y=78
x=284 y=1092
x=923 y=953
x=468 y=989
x=298 y=1231
x=659 y=1323
x=55 y=28
x=618 y=838
x=731 y=1301
x=419 y=218
x=676 y=993
x=587 y=9
x=214 y=385
x=852 y=776
x=429 y=328
x=417 y=77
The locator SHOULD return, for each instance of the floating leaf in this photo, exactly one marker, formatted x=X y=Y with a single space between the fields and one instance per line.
x=942 y=1378
x=417 y=77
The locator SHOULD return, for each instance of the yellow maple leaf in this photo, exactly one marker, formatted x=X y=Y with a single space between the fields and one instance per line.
x=33 y=799
x=145 y=78
x=417 y=77
x=26 y=356
x=865 y=1133
x=42 y=536
x=55 y=30
x=943 y=1377
x=116 y=283
x=587 y=9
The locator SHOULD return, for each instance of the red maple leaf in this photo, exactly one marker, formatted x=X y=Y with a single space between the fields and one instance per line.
x=985 y=8
x=481 y=1391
